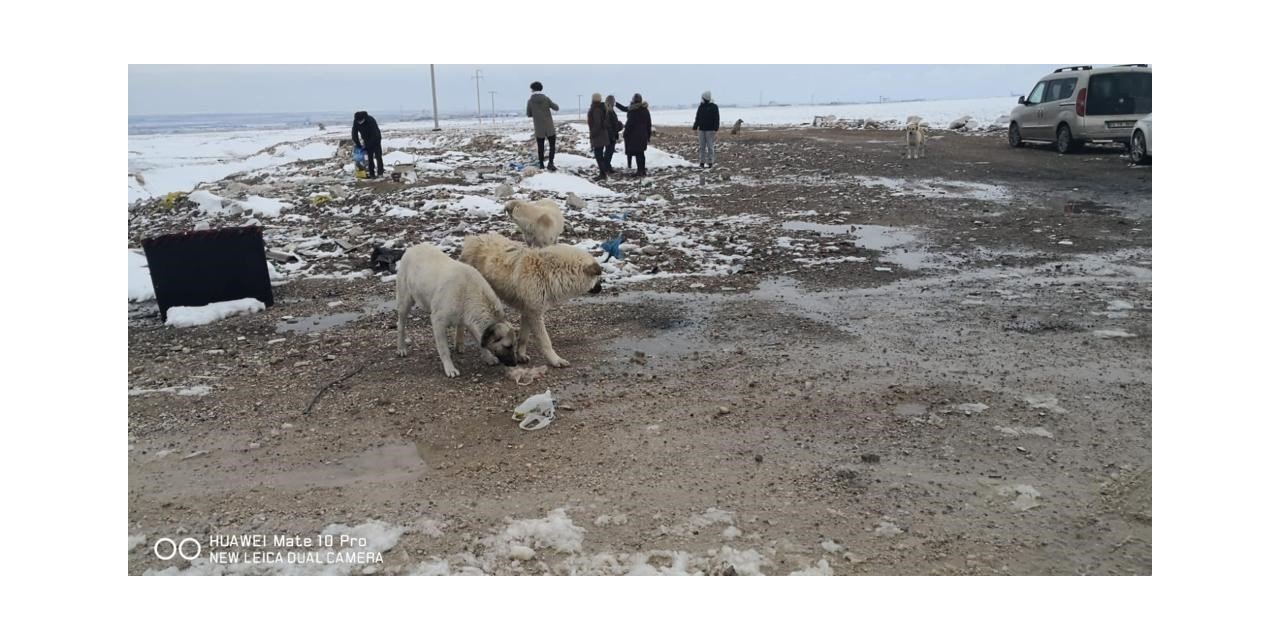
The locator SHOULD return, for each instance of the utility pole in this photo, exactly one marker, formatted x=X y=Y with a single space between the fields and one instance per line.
x=478 y=77
x=761 y=102
x=579 y=106
x=435 y=112
x=493 y=113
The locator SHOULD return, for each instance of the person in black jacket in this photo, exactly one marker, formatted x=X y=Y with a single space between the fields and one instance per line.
x=615 y=128
x=636 y=133
x=707 y=123
x=365 y=133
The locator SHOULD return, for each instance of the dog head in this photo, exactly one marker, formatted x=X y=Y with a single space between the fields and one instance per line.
x=500 y=339
x=510 y=206
x=596 y=273
x=913 y=126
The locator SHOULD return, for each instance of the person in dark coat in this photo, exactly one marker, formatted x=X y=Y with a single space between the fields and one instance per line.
x=598 y=126
x=365 y=133
x=707 y=123
x=539 y=108
x=615 y=128
x=636 y=133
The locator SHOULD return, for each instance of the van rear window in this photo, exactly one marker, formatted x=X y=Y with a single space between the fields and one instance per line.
x=1116 y=94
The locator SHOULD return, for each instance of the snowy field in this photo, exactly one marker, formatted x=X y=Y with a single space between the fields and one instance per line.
x=180 y=162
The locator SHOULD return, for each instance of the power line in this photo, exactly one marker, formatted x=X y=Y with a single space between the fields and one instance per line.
x=478 y=77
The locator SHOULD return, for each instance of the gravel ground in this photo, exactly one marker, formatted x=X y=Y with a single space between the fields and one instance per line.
x=817 y=356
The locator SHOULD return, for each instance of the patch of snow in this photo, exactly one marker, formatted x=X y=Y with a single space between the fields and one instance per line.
x=564 y=183
x=198 y=390
x=556 y=531
x=1024 y=431
x=823 y=568
x=208 y=202
x=1112 y=333
x=1027 y=496
x=1044 y=401
x=140 y=289
x=265 y=207
x=477 y=204
x=183 y=317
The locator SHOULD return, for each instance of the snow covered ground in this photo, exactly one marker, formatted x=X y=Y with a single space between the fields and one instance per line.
x=181 y=162
x=182 y=317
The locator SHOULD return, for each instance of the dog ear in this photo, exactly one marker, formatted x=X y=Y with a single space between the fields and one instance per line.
x=488 y=335
x=593 y=269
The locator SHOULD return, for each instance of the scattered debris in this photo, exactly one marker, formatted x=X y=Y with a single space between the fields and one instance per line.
x=525 y=376
x=537 y=410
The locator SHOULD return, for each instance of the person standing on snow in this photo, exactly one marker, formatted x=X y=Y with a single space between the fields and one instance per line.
x=637 y=132
x=366 y=134
x=707 y=123
x=598 y=126
x=615 y=127
x=544 y=129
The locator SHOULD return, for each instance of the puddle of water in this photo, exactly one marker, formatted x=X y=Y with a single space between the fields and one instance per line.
x=323 y=321
x=824 y=229
x=1089 y=206
x=879 y=238
x=933 y=188
x=911 y=409
x=314 y=323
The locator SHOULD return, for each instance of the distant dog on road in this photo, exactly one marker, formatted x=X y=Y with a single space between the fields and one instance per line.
x=455 y=295
x=541 y=222
x=916 y=136
x=533 y=281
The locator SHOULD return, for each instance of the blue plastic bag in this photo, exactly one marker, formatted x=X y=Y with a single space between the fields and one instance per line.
x=358 y=154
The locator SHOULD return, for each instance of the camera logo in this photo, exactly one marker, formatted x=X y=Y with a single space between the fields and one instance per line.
x=176 y=548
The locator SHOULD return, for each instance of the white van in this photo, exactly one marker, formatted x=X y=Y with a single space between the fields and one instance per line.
x=1075 y=105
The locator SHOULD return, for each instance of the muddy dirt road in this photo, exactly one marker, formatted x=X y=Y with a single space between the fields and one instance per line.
x=939 y=366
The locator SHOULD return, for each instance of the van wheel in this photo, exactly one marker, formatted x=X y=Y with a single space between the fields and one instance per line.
x=1015 y=135
x=1138 y=149
x=1065 y=143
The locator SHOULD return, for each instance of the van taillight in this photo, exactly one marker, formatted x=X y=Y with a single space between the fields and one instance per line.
x=1080 y=101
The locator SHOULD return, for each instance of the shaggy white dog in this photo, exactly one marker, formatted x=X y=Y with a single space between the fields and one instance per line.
x=541 y=222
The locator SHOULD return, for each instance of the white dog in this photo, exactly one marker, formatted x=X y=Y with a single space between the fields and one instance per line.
x=455 y=295
x=541 y=222
x=916 y=137
x=533 y=281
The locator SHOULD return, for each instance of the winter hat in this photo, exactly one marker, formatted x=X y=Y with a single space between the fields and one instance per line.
x=536 y=86
x=360 y=115
x=636 y=99
x=706 y=96
x=595 y=97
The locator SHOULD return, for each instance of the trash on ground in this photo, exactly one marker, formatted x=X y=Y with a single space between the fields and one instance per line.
x=525 y=376
x=537 y=410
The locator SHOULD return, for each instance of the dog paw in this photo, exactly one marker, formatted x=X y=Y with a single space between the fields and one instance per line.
x=522 y=357
x=558 y=362
x=452 y=372
x=402 y=352
x=488 y=357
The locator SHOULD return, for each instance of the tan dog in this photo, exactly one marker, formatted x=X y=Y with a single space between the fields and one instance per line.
x=916 y=137
x=454 y=294
x=533 y=281
x=541 y=222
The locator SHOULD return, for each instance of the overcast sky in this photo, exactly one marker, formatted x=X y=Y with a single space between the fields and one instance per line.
x=386 y=89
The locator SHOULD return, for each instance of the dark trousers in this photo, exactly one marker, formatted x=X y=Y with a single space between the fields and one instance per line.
x=542 y=147
x=640 y=162
x=599 y=153
x=373 y=157
x=608 y=153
